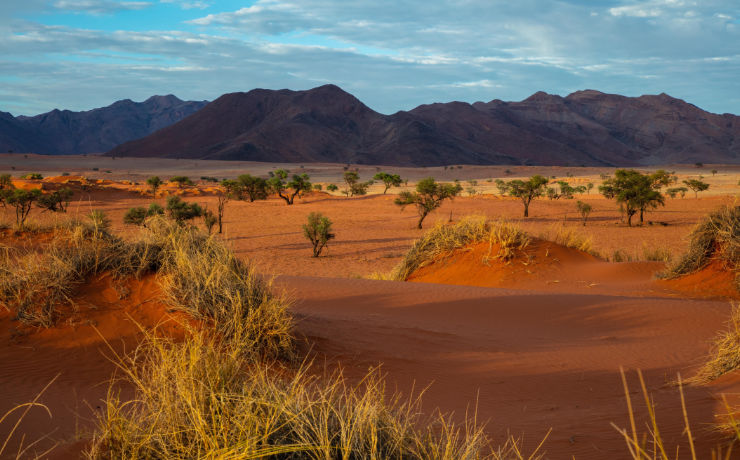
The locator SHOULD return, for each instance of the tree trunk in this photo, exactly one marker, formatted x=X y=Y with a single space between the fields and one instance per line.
x=421 y=219
x=642 y=210
x=526 y=209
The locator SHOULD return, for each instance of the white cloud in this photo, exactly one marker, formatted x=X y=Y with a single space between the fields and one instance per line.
x=98 y=7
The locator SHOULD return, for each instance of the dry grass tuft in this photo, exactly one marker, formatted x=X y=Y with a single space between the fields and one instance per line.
x=717 y=237
x=443 y=239
x=204 y=398
x=725 y=354
x=570 y=238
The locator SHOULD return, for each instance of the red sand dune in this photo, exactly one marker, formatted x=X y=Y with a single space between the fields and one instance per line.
x=532 y=360
x=78 y=357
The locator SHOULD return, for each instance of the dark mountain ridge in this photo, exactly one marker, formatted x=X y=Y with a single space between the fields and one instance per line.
x=62 y=132
x=326 y=124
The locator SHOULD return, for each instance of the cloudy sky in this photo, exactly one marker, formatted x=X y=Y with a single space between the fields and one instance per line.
x=393 y=55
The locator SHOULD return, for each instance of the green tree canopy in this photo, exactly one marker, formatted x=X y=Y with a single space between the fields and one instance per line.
x=527 y=190
x=633 y=191
x=288 y=189
x=428 y=196
x=388 y=180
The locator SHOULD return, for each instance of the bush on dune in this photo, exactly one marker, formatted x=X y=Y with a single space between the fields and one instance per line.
x=717 y=237
x=443 y=239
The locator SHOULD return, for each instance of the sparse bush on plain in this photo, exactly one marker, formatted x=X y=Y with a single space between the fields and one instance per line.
x=209 y=220
x=181 y=211
x=154 y=183
x=584 y=209
x=696 y=185
x=318 y=232
x=332 y=187
x=32 y=176
x=138 y=215
x=525 y=190
x=181 y=180
x=22 y=201
x=354 y=186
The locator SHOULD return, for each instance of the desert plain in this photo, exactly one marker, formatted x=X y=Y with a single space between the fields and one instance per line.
x=531 y=348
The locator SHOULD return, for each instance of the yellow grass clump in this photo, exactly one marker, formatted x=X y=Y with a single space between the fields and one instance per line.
x=443 y=239
x=725 y=354
x=203 y=398
x=717 y=237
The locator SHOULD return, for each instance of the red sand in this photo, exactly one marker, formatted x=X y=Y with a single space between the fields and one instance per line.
x=545 y=355
x=78 y=357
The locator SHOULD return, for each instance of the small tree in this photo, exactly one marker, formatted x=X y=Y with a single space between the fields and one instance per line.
x=209 y=220
x=354 y=186
x=714 y=172
x=428 y=196
x=696 y=185
x=181 y=211
x=251 y=188
x=181 y=180
x=526 y=190
x=633 y=191
x=332 y=187
x=56 y=201
x=318 y=231
x=279 y=184
x=6 y=181
x=22 y=201
x=154 y=183
x=589 y=187
x=672 y=192
x=584 y=209
x=388 y=180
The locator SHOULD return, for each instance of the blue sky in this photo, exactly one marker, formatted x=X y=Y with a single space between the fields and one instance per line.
x=392 y=55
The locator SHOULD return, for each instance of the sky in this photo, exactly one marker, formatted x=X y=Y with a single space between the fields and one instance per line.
x=392 y=55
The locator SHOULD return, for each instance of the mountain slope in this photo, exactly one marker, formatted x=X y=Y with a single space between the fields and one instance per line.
x=326 y=124
x=62 y=132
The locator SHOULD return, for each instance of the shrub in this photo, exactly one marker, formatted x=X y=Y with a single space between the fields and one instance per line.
x=209 y=220
x=32 y=176
x=318 y=231
x=138 y=215
x=181 y=180
x=181 y=211
x=318 y=187
x=354 y=186
x=6 y=181
x=332 y=187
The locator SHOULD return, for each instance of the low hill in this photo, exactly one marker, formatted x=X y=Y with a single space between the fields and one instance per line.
x=327 y=124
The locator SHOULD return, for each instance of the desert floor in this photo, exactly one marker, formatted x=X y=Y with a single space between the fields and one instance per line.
x=540 y=350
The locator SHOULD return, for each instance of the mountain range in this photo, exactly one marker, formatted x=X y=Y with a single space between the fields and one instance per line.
x=62 y=132
x=327 y=124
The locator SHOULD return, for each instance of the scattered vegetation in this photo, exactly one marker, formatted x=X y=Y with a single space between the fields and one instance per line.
x=332 y=187
x=318 y=231
x=675 y=191
x=181 y=180
x=429 y=195
x=22 y=201
x=32 y=176
x=138 y=215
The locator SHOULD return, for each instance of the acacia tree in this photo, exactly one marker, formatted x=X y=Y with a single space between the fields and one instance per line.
x=279 y=184
x=526 y=190
x=389 y=180
x=428 y=196
x=22 y=201
x=251 y=188
x=696 y=185
x=154 y=183
x=180 y=211
x=56 y=201
x=633 y=191
x=354 y=186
